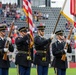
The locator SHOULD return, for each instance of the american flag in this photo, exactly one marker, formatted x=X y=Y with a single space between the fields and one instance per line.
x=28 y=11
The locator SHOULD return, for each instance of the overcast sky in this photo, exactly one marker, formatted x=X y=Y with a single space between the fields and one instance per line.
x=54 y=3
x=57 y=3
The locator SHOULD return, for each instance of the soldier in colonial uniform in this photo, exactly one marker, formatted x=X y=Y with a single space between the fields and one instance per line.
x=58 y=50
x=23 y=57
x=4 y=64
x=42 y=55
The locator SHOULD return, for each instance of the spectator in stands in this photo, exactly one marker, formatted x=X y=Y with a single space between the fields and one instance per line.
x=39 y=15
x=5 y=13
x=0 y=7
x=72 y=43
x=35 y=15
x=58 y=51
x=44 y=16
x=22 y=17
x=67 y=25
x=18 y=10
x=47 y=16
x=17 y=16
x=14 y=34
x=7 y=8
x=10 y=5
x=42 y=54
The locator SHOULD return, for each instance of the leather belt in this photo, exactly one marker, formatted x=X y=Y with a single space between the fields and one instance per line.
x=24 y=52
x=41 y=51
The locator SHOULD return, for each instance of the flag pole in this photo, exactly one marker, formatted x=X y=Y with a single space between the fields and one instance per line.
x=26 y=11
x=59 y=16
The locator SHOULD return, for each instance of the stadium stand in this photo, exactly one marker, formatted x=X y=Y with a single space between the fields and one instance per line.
x=50 y=22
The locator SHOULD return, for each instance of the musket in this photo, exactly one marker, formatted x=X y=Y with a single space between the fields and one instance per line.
x=32 y=41
x=7 y=42
x=66 y=45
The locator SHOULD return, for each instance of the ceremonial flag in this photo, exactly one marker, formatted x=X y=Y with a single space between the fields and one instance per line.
x=25 y=7
x=28 y=12
x=66 y=11
x=73 y=7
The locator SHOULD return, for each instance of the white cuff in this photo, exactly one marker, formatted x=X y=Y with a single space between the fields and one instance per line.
x=52 y=35
x=68 y=41
x=5 y=49
x=65 y=50
x=9 y=39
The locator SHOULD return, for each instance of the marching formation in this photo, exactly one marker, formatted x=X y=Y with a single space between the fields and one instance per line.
x=30 y=47
x=25 y=55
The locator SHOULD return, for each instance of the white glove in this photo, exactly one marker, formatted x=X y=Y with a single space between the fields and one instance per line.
x=9 y=39
x=28 y=32
x=68 y=41
x=52 y=35
x=5 y=49
x=65 y=50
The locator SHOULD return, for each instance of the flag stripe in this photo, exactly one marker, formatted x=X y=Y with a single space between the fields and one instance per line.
x=72 y=7
x=25 y=6
x=30 y=17
x=75 y=7
x=28 y=11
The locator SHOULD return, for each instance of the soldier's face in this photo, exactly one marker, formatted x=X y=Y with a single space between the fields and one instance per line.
x=61 y=37
x=42 y=32
x=22 y=33
x=3 y=33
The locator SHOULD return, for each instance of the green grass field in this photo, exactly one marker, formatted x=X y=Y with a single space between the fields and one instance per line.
x=13 y=71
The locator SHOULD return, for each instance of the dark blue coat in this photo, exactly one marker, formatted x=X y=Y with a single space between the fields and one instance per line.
x=4 y=63
x=42 y=44
x=58 y=51
x=22 y=44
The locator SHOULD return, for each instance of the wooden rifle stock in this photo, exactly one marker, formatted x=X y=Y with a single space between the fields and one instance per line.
x=32 y=41
x=66 y=45
x=7 y=42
